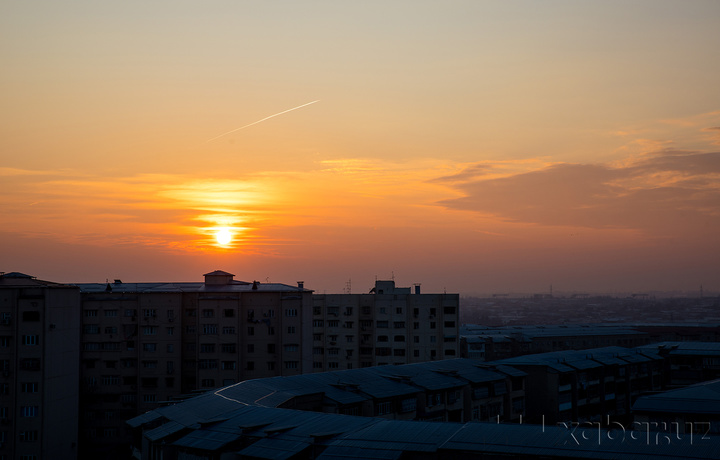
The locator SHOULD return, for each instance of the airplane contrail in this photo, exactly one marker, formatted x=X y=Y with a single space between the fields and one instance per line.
x=260 y=121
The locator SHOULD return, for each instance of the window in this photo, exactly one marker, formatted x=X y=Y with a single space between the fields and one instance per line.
x=191 y=312
x=291 y=329
x=228 y=365
x=229 y=348
x=149 y=364
x=110 y=313
x=207 y=348
x=416 y=353
x=333 y=351
x=208 y=364
x=408 y=405
x=398 y=310
x=207 y=383
x=190 y=329
x=111 y=380
x=170 y=330
x=333 y=323
x=317 y=323
x=433 y=339
x=382 y=338
x=432 y=325
x=251 y=348
x=109 y=432
x=399 y=338
x=398 y=352
x=384 y=408
x=449 y=339
x=348 y=324
x=317 y=336
x=292 y=347
x=449 y=352
x=449 y=310
x=29 y=411
x=317 y=365
x=91 y=329
x=291 y=312
x=110 y=330
x=229 y=330
x=207 y=313
x=149 y=312
x=271 y=313
x=149 y=398
x=291 y=364
x=416 y=325
x=382 y=324
x=210 y=329
x=150 y=330
x=382 y=310
x=130 y=312
x=416 y=339
x=271 y=365
x=349 y=338
x=29 y=436
x=333 y=365
x=449 y=323
x=399 y=324
x=250 y=365
x=229 y=313
x=91 y=313
x=4 y=341
x=111 y=364
x=271 y=330
x=271 y=348
x=366 y=310
x=251 y=330
x=318 y=350
x=149 y=346
x=29 y=387
x=317 y=310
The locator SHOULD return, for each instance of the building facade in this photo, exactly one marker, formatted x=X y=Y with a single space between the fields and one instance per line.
x=39 y=361
x=390 y=325
x=145 y=344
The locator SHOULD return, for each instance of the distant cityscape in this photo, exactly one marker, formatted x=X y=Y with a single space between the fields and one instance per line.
x=122 y=370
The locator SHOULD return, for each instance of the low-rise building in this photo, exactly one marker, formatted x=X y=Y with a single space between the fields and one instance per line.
x=586 y=385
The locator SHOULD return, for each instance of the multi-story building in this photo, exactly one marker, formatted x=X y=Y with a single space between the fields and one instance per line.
x=39 y=365
x=390 y=325
x=587 y=385
x=146 y=343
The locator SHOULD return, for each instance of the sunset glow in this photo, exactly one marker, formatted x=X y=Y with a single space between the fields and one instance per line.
x=473 y=146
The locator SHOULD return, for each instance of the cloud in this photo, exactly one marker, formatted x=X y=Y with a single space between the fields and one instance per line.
x=662 y=194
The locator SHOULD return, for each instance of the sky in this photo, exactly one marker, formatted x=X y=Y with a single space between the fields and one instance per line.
x=474 y=147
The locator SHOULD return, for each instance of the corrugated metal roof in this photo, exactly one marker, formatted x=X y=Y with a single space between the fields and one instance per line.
x=355 y=453
x=702 y=398
x=164 y=430
x=277 y=449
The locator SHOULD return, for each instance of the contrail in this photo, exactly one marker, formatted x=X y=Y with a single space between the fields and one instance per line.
x=260 y=121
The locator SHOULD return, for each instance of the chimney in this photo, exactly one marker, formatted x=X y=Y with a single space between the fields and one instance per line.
x=301 y=284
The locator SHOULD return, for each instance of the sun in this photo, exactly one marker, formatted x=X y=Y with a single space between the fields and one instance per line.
x=223 y=236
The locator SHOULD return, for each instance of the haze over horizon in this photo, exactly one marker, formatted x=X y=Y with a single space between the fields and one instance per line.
x=471 y=146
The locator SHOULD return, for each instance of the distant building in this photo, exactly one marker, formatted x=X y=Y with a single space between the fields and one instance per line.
x=39 y=365
x=390 y=325
x=493 y=343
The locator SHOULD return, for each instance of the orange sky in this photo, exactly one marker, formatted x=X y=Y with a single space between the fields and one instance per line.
x=478 y=147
